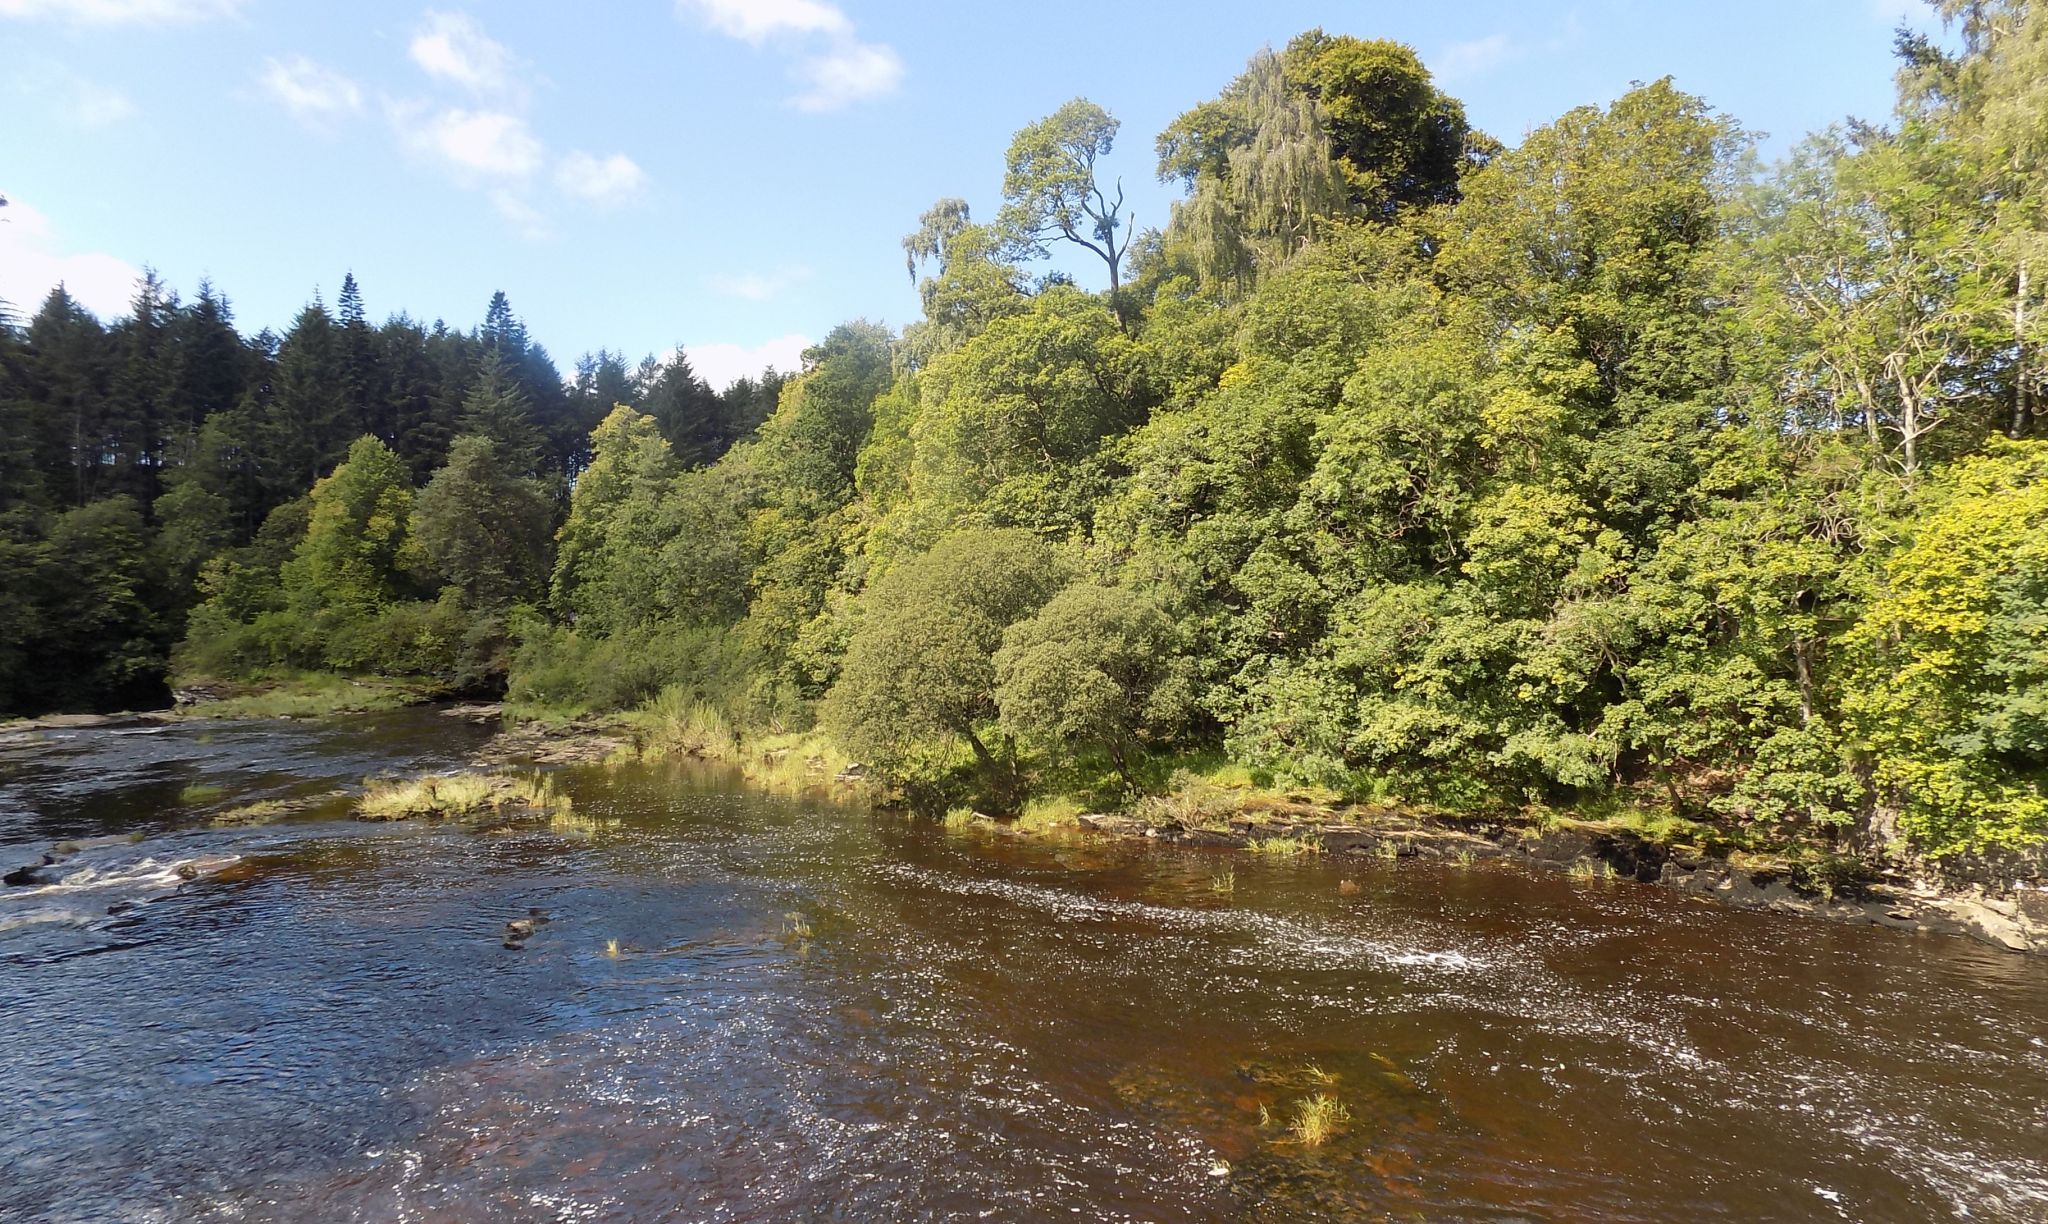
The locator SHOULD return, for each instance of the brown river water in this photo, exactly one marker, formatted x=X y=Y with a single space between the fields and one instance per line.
x=819 y=1013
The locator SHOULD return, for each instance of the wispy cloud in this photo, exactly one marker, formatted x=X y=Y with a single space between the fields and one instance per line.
x=121 y=12
x=1469 y=60
x=756 y=21
x=851 y=73
x=834 y=68
x=719 y=365
x=611 y=180
x=31 y=265
x=758 y=286
x=474 y=143
x=314 y=95
x=453 y=48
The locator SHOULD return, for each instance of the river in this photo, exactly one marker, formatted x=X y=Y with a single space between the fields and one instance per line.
x=749 y=1007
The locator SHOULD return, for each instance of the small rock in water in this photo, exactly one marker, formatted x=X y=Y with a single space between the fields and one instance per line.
x=519 y=930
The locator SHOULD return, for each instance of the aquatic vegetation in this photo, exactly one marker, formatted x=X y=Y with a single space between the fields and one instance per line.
x=263 y=811
x=1590 y=869
x=959 y=817
x=1224 y=881
x=463 y=794
x=1316 y=1118
x=612 y=950
x=796 y=926
x=1285 y=847
x=199 y=793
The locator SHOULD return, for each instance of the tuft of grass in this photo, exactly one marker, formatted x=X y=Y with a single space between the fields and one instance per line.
x=263 y=811
x=1224 y=882
x=796 y=926
x=959 y=817
x=1589 y=869
x=463 y=794
x=1316 y=1118
x=675 y=724
x=612 y=950
x=1052 y=812
x=201 y=793
x=1285 y=847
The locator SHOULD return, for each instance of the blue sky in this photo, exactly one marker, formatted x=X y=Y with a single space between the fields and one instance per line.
x=730 y=175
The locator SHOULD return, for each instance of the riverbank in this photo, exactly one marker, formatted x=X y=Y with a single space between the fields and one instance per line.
x=1681 y=855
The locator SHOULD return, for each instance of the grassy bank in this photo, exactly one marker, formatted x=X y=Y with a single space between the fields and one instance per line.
x=304 y=694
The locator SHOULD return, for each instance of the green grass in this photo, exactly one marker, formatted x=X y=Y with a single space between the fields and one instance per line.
x=959 y=817
x=463 y=794
x=676 y=724
x=1049 y=812
x=1316 y=1118
x=200 y=793
x=315 y=694
x=1285 y=847
x=263 y=811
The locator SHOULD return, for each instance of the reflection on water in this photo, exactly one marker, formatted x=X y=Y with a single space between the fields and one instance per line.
x=749 y=1008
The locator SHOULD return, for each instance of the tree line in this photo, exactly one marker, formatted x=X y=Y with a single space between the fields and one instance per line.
x=1612 y=465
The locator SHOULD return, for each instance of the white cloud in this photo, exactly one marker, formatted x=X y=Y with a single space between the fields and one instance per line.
x=720 y=364
x=756 y=21
x=312 y=94
x=493 y=144
x=31 y=265
x=835 y=68
x=602 y=180
x=850 y=73
x=453 y=47
x=1467 y=60
x=121 y=12
x=758 y=286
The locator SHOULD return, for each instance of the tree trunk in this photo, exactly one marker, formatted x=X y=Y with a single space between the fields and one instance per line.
x=2022 y=401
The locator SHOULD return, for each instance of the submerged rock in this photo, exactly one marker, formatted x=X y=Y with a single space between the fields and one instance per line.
x=519 y=930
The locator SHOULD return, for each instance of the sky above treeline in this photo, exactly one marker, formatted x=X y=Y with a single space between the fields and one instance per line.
x=730 y=175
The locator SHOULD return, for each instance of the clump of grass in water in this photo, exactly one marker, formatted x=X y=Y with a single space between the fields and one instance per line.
x=1586 y=869
x=1285 y=847
x=612 y=950
x=1316 y=1118
x=959 y=817
x=464 y=794
x=201 y=792
x=263 y=811
x=1224 y=881
x=795 y=925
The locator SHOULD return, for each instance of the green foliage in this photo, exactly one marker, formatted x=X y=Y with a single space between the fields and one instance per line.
x=349 y=560
x=481 y=529
x=1094 y=668
x=921 y=663
x=1949 y=686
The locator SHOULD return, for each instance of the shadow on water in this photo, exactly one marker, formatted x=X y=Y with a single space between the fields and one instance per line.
x=754 y=1008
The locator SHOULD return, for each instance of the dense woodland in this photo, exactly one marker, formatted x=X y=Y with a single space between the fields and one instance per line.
x=1615 y=466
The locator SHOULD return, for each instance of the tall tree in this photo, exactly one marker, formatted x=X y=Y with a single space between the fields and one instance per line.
x=1052 y=191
